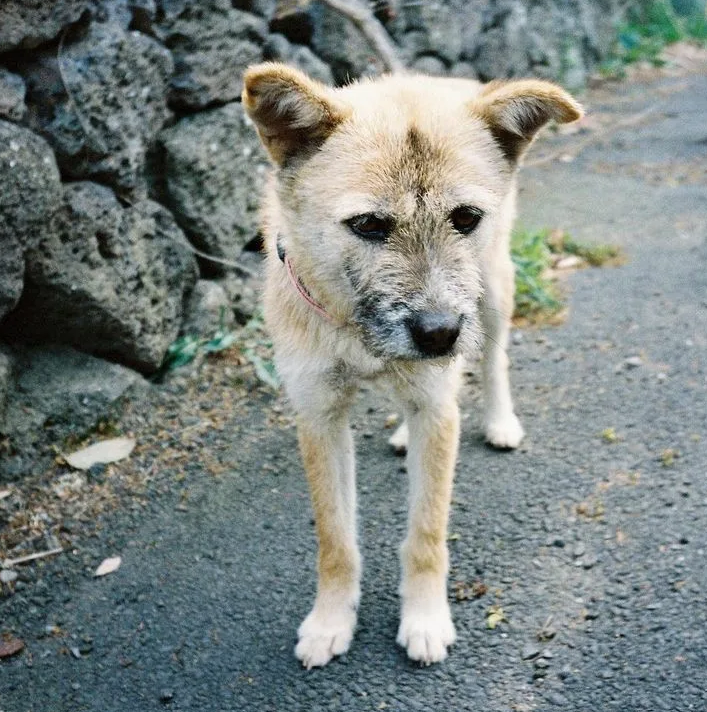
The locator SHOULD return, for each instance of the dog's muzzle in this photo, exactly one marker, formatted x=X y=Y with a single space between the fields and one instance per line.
x=435 y=333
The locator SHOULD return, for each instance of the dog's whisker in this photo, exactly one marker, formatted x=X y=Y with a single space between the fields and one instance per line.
x=490 y=338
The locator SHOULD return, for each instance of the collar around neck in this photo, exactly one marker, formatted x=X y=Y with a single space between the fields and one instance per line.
x=297 y=283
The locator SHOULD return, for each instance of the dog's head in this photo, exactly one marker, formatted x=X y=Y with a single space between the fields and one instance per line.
x=389 y=192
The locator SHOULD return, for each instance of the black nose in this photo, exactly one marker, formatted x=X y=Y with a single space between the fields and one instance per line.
x=434 y=333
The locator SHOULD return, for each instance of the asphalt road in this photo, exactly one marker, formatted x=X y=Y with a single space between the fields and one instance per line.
x=594 y=550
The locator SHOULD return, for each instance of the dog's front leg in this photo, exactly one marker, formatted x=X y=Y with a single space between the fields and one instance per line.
x=426 y=628
x=327 y=451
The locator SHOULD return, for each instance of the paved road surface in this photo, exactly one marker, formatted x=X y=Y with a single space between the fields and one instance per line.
x=604 y=544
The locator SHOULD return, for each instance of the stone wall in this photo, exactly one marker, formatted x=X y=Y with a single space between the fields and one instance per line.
x=123 y=142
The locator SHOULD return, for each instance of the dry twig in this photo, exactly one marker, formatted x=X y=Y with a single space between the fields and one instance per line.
x=10 y=563
x=361 y=16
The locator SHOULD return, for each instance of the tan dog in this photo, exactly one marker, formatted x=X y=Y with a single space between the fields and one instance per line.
x=387 y=226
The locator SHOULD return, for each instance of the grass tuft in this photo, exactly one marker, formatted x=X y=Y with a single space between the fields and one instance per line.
x=646 y=33
x=535 y=293
x=535 y=254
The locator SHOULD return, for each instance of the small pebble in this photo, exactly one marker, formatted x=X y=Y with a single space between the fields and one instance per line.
x=579 y=550
x=633 y=362
x=529 y=651
x=555 y=698
x=565 y=673
x=8 y=576
x=589 y=561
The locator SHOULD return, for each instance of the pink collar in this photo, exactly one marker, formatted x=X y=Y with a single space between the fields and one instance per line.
x=301 y=289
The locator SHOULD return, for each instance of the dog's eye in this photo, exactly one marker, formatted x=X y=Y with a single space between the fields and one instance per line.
x=370 y=226
x=466 y=219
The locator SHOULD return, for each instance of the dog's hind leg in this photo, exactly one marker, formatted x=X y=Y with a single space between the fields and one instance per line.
x=501 y=425
x=426 y=628
x=327 y=451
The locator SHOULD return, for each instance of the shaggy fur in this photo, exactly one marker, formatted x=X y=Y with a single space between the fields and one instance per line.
x=422 y=160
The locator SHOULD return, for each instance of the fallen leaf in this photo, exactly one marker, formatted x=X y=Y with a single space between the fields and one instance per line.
x=667 y=457
x=103 y=452
x=9 y=647
x=108 y=566
x=609 y=435
x=391 y=421
x=465 y=591
x=569 y=262
x=5 y=493
x=494 y=616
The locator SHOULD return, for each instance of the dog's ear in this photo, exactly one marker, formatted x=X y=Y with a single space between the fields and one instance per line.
x=293 y=113
x=516 y=110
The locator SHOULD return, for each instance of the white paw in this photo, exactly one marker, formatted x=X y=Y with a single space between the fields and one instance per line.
x=427 y=634
x=399 y=440
x=324 y=634
x=504 y=432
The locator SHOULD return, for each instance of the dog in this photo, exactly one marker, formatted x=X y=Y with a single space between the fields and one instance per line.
x=387 y=222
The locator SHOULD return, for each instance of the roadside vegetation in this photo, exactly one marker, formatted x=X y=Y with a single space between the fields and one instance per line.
x=540 y=258
x=649 y=30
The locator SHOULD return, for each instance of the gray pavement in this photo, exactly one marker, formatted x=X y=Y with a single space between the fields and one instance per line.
x=595 y=551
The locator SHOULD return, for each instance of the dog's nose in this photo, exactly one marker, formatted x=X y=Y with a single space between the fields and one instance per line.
x=434 y=333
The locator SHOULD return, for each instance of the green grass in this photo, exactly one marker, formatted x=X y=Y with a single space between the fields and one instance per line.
x=251 y=340
x=535 y=294
x=538 y=297
x=646 y=33
x=186 y=348
x=594 y=255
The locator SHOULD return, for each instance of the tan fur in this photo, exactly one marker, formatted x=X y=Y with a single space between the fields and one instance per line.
x=412 y=152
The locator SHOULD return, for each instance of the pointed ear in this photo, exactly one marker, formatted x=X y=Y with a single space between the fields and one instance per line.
x=294 y=114
x=516 y=110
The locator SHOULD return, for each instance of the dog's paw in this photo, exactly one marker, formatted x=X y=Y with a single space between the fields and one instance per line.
x=426 y=635
x=324 y=634
x=504 y=433
x=399 y=439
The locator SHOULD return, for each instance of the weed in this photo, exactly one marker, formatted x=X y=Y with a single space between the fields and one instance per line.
x=251 y=340
x=595 y=255
x=531 y=256
x=534 y=253
x=186 y=348
x=646 y=33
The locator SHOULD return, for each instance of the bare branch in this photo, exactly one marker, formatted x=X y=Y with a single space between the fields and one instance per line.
x=369 y=26
x=361 y=15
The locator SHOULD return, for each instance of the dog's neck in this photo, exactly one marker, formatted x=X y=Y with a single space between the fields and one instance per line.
x=297 y=283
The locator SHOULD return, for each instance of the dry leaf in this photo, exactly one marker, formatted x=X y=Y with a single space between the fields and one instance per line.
x=103 y=452
x=108 y=566
x=391 y=421
x=494 y=616
x=465 y=591
x=5 y=493
x=10 y=647
x=569 y=262
x=609 y=435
